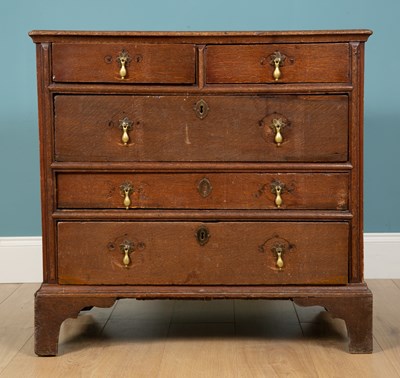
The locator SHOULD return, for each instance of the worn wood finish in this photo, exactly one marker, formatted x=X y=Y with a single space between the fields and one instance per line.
x=237 y=128
x=355 y=311
x=235 y=254
x=86 y=63
x=58 y=309
x=252 y=64
x=203 y=191
x=200 y=37
x=202 y=215
x=318 y=98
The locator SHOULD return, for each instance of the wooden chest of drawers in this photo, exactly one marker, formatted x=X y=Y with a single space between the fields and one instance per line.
x=201 y=165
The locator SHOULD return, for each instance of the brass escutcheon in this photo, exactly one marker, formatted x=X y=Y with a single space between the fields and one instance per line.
x=202 y=235
x=204 y=187
x=201 y=108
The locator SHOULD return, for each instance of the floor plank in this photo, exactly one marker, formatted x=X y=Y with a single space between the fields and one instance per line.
x=327 y=342
x=16 y=322
x=242 y=338
x=80 y=346
x=6 y=290
x=135 y=338
x=267 y=340
x=199 y=350
x=387 y=318
x=282 y=356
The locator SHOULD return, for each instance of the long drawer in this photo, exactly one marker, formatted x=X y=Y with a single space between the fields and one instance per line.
x=192 y=253
x=280 y=128
x=328 y=191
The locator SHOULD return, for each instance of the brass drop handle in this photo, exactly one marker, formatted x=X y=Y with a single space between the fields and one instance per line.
x=277 y=60
x=277 y=188
x=278 y=198
x=277 y=71
x=125 y=125
x=125 y=136
x=127 y=248
x=122 y=71
x=126 y=190
x=127 y=200
x=277 y=125
x=123 y=60
x=279 y=260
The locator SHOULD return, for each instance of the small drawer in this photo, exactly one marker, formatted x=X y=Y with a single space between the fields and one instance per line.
x=319 y=191
x=278 y=128
x=278 y=63
x=192 y=253
x=142 y=63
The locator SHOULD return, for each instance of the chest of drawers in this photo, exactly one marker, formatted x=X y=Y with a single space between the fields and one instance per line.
x=201 y=165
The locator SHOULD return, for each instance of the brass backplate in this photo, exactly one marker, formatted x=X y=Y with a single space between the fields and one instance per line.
x=201 y=109
x=202 y=235
x=204 y=187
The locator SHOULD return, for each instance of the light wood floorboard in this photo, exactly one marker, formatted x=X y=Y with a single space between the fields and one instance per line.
x=387 y=318
x=16 y=321
x=6 y=290
x=238 y=338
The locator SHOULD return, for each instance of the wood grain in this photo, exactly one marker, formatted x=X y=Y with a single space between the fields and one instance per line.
x=170 y=63
x=183 y=191
x=237 y=128
x=168 y=253
x=292 y=36
x=251 y=63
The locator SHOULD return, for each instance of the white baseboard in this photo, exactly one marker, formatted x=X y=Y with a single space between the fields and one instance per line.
x=21 y=257
x=382 y=255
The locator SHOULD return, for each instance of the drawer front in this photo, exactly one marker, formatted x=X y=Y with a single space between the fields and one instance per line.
x=202 y=191
x=145 y=63
x=286 y=128
x=191 y=253
x=307 y=63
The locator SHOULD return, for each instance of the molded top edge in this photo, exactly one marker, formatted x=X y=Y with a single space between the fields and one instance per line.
x=350 y=34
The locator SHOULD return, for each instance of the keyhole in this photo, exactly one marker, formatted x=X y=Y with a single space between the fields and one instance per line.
x=202 y=235
x=201 y=109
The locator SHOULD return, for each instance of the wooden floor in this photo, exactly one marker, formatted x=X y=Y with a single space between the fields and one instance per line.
x=200 y=339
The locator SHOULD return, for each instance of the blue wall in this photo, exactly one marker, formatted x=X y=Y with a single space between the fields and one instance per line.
x=19 y=157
